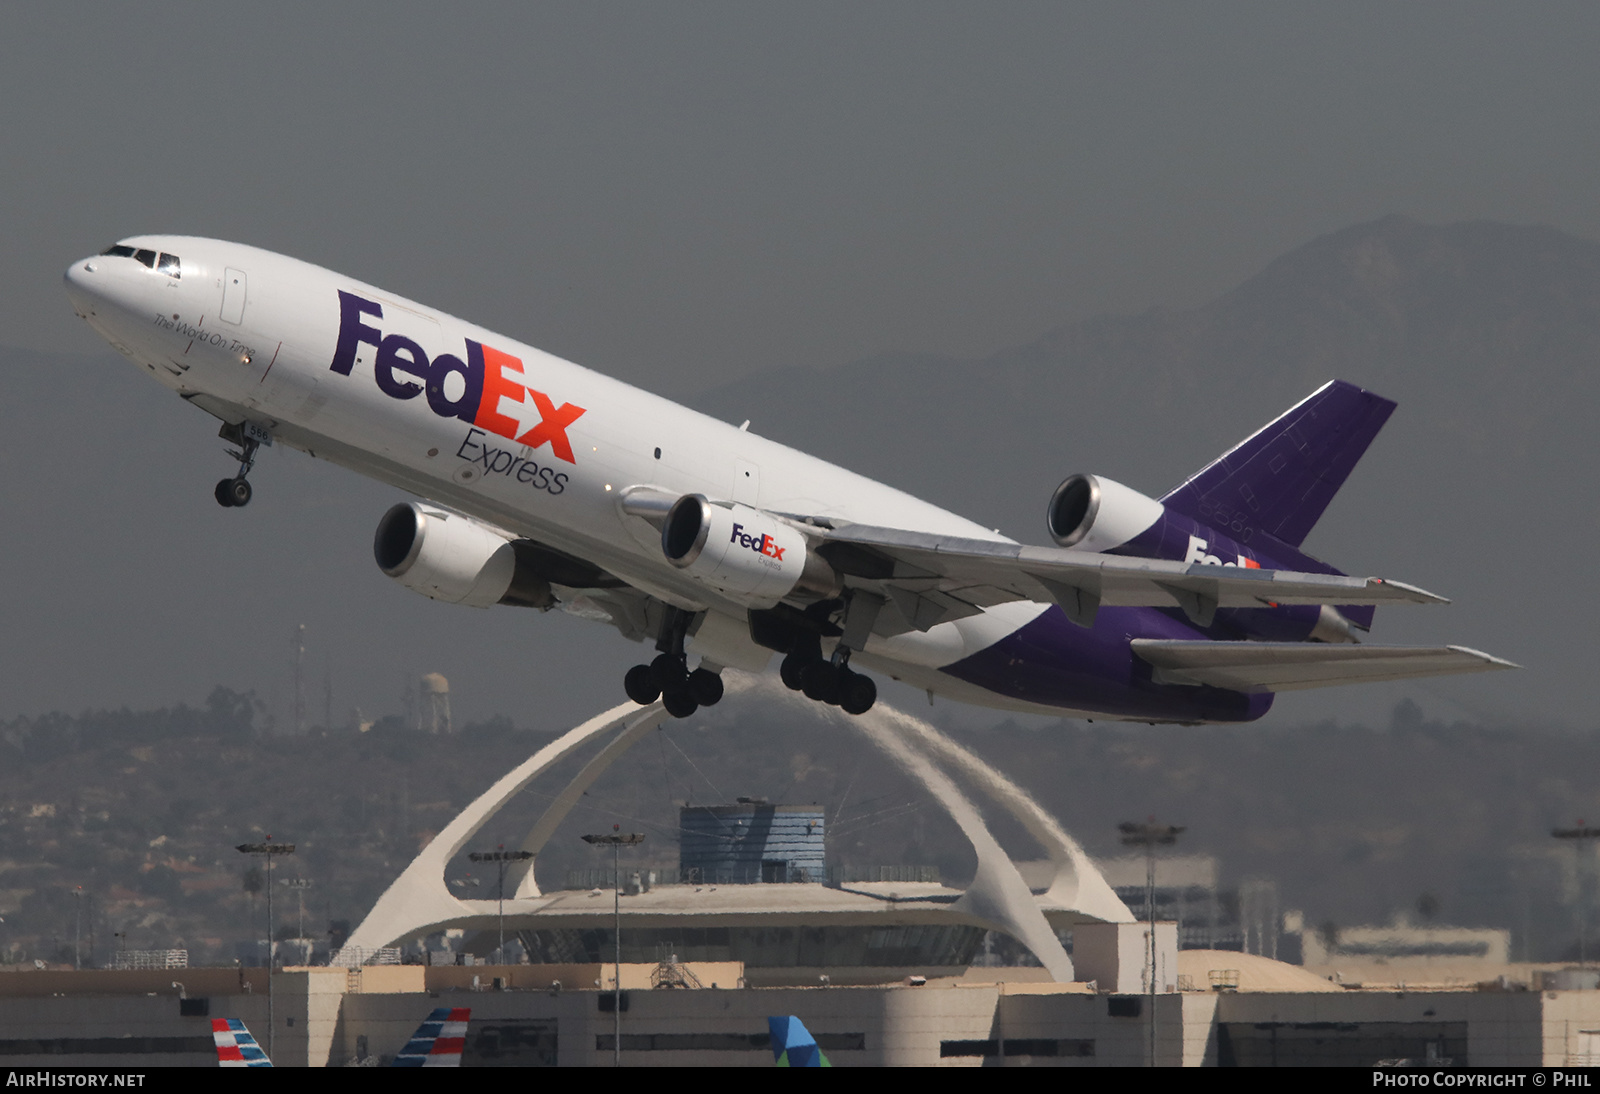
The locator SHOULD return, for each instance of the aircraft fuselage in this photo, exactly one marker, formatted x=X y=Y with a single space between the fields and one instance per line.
x=546 y=450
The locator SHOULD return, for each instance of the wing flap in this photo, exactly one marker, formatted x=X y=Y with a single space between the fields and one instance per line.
x=1293 y=666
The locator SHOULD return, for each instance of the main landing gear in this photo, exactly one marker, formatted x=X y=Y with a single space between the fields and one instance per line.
x=668 y=677
x=236 y=492
x=832 y=681
x=827 y=680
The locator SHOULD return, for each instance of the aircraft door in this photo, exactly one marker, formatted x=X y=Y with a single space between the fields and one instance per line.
x=234 y=288
x=746 y=483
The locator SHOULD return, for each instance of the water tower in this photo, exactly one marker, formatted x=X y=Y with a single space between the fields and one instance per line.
x=433 y=712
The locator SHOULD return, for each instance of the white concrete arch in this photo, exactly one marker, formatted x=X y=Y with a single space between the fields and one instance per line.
x=419 y=903
x=998 y=897
x=1075 y=884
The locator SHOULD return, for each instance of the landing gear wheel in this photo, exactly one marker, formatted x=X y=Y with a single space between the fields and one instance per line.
x=640 y=686
x=678 y=701
x=705 y=687
x=820 y=681
x=667 y=671
x=249 y=436
x=792 y=669
x=857 y=693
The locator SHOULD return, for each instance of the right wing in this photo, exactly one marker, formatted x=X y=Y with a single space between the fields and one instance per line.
x=931 y=578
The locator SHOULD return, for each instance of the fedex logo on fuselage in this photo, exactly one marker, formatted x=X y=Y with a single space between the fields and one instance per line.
x=1197 y=553
x=487 y=389
x=762 y=544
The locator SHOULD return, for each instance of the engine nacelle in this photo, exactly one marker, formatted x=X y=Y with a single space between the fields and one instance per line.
x=1096 y=514
x=750 y=555
x=445 y=556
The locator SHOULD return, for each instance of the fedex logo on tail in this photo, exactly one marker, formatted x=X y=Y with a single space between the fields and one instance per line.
x=762 y=544
x=1197 y=553
x=487 y=388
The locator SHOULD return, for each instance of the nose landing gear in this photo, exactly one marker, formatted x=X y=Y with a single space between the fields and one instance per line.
x=236 y=492
x=233 y=492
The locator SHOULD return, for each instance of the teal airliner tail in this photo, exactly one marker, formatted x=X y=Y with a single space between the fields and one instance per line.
x=793 y=1045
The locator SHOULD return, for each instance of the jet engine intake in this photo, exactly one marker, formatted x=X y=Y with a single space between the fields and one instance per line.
x=748 y=554
x=1092 y=513
x=450 y=557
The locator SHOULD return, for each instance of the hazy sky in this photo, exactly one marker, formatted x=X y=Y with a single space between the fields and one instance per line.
x=678 y=195
x=682 y=193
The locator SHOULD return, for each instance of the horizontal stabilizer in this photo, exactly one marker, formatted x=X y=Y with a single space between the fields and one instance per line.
x=1293 y=666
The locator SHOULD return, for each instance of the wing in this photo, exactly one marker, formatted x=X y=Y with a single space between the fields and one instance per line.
x=1292 y=666
x=932 y=579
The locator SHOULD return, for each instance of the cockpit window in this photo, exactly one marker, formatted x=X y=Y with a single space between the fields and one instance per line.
x=164 y=263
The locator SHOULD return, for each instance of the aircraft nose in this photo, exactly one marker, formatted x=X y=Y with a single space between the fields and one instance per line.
x=84 y=281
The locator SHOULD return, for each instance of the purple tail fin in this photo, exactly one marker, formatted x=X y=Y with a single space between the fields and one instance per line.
x=1281 y=478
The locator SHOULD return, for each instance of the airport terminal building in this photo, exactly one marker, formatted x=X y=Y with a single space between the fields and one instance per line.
x=884 y=969
x=531 y=1015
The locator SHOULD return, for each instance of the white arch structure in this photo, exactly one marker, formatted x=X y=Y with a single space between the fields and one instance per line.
x=419 y=903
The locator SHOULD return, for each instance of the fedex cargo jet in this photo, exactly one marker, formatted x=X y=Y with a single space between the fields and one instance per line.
x=543 y=485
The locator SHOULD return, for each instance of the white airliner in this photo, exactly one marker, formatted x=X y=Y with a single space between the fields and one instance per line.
x=545 y=485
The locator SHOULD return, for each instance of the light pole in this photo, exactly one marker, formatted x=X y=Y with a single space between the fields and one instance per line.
x=1148 y=835
x=77 y=927
x=297 y=643
x=268 y=849
x=1578 y=835
x=500 y=857
x=616 y=840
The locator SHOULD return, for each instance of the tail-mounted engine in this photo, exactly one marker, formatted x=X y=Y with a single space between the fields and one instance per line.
x=745 y=553
x=1096 y=514
x=1090 y=513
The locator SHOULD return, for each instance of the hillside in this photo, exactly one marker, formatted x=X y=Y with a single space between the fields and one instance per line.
x=1352 y=822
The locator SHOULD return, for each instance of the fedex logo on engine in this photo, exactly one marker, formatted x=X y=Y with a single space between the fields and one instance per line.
x=1197 y=553
x=487 y=389
x=762 y=544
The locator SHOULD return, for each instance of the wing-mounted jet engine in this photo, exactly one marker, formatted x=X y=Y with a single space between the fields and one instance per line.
x=445 y=556
x=451 y=557
x=744 y=553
